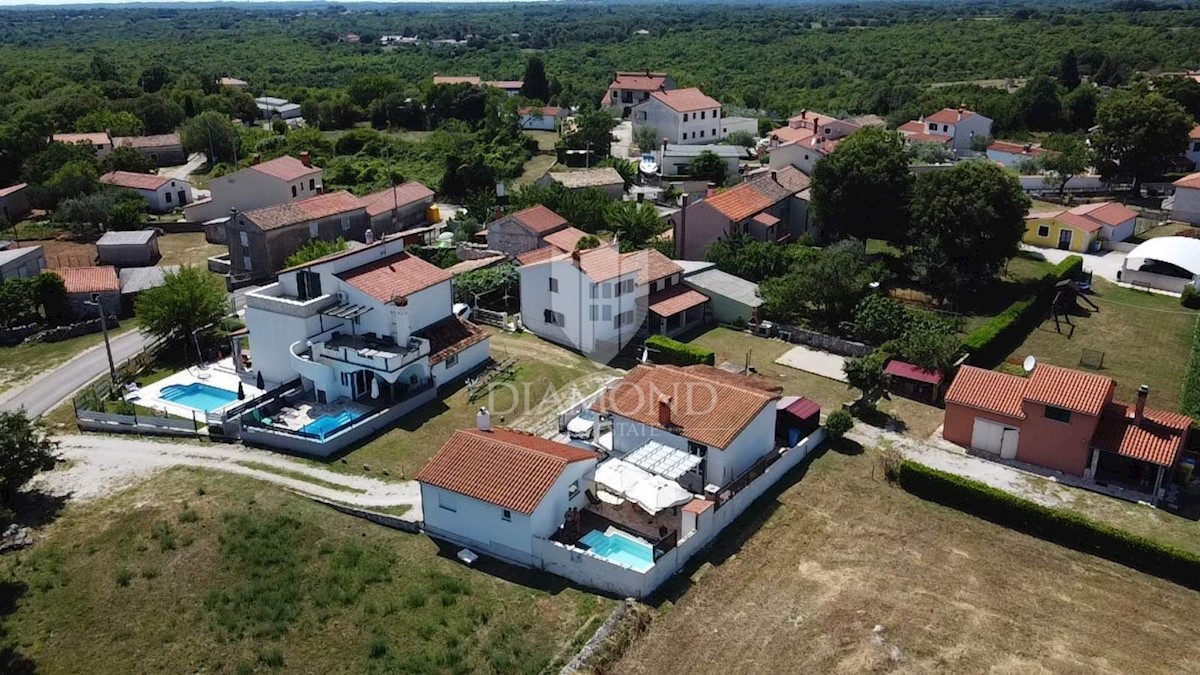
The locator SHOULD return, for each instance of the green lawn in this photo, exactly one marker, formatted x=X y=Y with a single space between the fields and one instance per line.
x=202 y=572
x=535 y=168
x=27 y=360
x=546 y=140
x=1144 y=337
x=31 y=229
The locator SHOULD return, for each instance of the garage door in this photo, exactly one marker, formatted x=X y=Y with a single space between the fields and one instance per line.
x=994 y=437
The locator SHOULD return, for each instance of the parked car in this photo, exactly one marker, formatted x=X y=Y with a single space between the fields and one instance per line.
x=583 y=426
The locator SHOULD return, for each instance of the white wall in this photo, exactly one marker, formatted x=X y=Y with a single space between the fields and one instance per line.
x=475 y=520
x=967 y=129
x=468 y=359
x=1187 y=205
x=573 y=300
x=271 y=336
x=671 y=124
x=250 y=189
x=794 y=154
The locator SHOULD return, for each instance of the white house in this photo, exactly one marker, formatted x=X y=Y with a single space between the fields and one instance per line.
x=597 y=300
x=1185 y=204
x=686 y=116
x=162 y=193
x=496 y=490
x=270 y=107
x=673 y=160
x=1193 y=147
x=806 y=139
x=1013 y=154
x=541 y=118
x=99 y=140
x=629 y=89
x=280 y=180
x=959 y=125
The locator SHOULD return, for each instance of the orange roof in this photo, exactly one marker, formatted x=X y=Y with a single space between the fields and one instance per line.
x=793 y=179
x=286 y=168
x=913 y=126
x=1081 y=222
x=539 y=220
x=544 y=110
x=697 y=506
x=1194 y=134
x=705 y=409
x=537 y=255
x=765 y=219
x=146 y=142
x=399 y=196
x=134 y=181
x=639 y=81
x=792 y=135
x=652 y=265
x=686 y=100
x=305 y=210
x=988 y=390
x=394 y=277
x=950 y=116
x=747 y=199
x=4 y=192
x=90 y=279
x=675 y=299
x=449 y=79
x=1108 y=213
x=510 y=469
x=1158 y=439
x=450 y=336
x=1028 y=149
x=92 y=138
x=1192 y=180
x=566 y=238
x=1071 y=389
x=505 y=84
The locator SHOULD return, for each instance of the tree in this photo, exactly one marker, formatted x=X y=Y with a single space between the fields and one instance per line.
x=755 y=260
x=646 y=138
x=839 y=423
x=367 y=88
x=213 y=134
x=154 y=78
x=585 y=209
x=1068 y=70
x=866 y=375
x=825 y=290
x=317 y=248
x=862 y=188
x=188 y=301
x=159 y=115
x=878 y=318
x=535 y=85
x=932 y=349
x=117 y=123
x=73 y=179
x=1137 y=130
x=470 y=286
x=1068 y=157
x=455 y=101
x=126 y=158
x=1183 y=90
x=742 y=138
x=708 y=166
x=921 y=152
x=594 y=132
x=102 y=69
x=1038 y=104
x=634 y=224
x=966 y=223
x=1079 y=107
x=50 y=293
x=17 y=303
x=25 y=449
x=1111 y=73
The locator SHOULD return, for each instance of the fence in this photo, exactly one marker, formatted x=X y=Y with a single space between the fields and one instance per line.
x=91 y=420
x=823 y=342
x=490 y=318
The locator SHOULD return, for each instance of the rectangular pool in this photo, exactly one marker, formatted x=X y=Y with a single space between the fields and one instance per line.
x=620 y=548
x=198 y=396
x=329 y=423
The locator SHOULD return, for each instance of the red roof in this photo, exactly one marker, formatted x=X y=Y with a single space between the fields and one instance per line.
x=1158 y=439
x=1074 y=390
x=792 y=134
x=510 y=469
x=1108 y=213
x=740 y=202
x=397 y=197
x=305 y=210
x=988 y=390
x=765 y=219
x=539 y=255
x=566 y=238
x=950 y=115
x=394 y=277
x=4 y=192
x=545 y=110
x=675 y=299
x=1081 y=222
x=450 y=336
x=539 y=220
x=450 y=79
x=912 y=126
x=91 y=138
x=90 y=279
x=909 y=371
x=1027 y=149
x=135 y=181
x=803 y=408
x=1192 y=180
x=686 y=100
x=286 y=168
x=639 y=81
x=698 y=506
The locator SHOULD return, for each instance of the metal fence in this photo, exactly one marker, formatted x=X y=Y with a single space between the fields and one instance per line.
x=91 y=420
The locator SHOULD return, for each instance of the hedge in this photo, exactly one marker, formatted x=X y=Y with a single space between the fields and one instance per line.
x=678 y=353
x=1190 y=399
x=1056 y=525
x=992 y=340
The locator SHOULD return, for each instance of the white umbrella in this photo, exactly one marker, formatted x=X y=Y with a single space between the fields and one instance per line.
x=657 y=493
x=374 y=388
x=618 y=476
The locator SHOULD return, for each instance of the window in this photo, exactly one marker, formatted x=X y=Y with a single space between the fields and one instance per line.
x=345 y=223
x=553 y=318
x=1043 y=230
x=246 y=262
x=685 y=135
x=293 y=190
x=312 y=230
x=685 y=117
x=308 y=285
x=701 y=133
x=623 y=319
x=594 y=312
x=945 y=127
x=1195 y=146
x=245 y=238
x=607 y=291
x=573 y=489
x=714 y=133
x=1058 y=414
x=312 y=184
x=451 y=360
x=506 y=515
x=628 y=284
x=553 y=285
x=606 y=314
x=168 y=196
x=932 y=126
x=703 y=114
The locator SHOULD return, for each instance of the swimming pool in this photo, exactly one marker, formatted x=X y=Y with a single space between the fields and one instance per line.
x=328 y=423
x=198 y=396
x=620 y=548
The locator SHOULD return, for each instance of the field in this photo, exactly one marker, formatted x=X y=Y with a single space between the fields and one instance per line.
x=839 y=553
x=187 y=248
x=195 y=572
x=1144 y=337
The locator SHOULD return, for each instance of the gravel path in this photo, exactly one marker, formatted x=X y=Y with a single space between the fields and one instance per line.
x=100 y=465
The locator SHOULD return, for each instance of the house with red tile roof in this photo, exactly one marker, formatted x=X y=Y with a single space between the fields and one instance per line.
x=541 y=118
x=1012 y=154
x=276 y=181
x=631 y=88
x=958 y=127
x=769 y=207
x=404 y=207
x=261 y=240
x=160 y=149
x=162 y=193
x=371 y=327
x=679 y=116
x=99 y=140
x=1066 y=420
x=1185 y=203
x=806 y=139
x=84 y=285
x=1081 y=228
x=523 y=230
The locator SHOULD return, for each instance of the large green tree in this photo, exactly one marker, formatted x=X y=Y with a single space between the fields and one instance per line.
x=1039 y=104
x=594 y=132
x=535 y=85
x=188 y=300
x=634 y=224
x=1137 y=132
x=824 y=290
x=25 y=449
x=708 y=166
x=1068 y=156
x=966 y=223
x=213 y=134
x=862 y=189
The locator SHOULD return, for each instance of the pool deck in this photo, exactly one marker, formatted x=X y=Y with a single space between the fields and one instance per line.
x=302 y=414
x=214 y=375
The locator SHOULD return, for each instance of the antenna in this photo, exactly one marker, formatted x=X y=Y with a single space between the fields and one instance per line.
x=1029 y=363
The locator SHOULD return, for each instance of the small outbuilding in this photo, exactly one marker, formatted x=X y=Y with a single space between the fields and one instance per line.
x=134 y=280
x=796 y=418
x=162 y=193
x=21 y=263
x=161 y=149
x=135 y=248
x=605 y=178
x=14 y=202
x=912 y=381
x=733 y=300
x=85 y=285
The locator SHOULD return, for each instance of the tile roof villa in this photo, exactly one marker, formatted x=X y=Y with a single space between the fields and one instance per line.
x=135 y=181
x=686 y=100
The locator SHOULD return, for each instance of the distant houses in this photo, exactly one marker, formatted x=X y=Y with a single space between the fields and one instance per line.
x=606 y=179
x=806 y=139
x=99 y=140
x=631 y=88
x=955 y=127
x=510 y=87
x=162 y=193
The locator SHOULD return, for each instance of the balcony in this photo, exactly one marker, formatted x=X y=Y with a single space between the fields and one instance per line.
x=381 y=354
x=272 y=299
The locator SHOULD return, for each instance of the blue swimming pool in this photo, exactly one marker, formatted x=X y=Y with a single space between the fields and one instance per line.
x=328 y=423
x=198 y=396
x=620 y=549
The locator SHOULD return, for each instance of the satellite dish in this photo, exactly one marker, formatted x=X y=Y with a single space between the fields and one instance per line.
x=1029 y=363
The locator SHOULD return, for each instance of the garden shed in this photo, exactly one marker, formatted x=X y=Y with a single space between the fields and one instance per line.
x=911 y=381
x=797 y=417
x=137 y=248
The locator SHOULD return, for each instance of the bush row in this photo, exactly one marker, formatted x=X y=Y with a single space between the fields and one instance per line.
x=1061 y=527
x=991 y=340
x=1190 y=399
x=678 y=353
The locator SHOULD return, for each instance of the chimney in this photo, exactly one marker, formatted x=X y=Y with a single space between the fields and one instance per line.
x=483 y=420
x=497 y=213
x=255 y=159
x=664 y=411
x=369 y=235
x=1139 y=410
x=305 y=159
x=774 y=176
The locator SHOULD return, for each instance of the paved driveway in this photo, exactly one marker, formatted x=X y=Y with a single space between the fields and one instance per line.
x=1105 y=264
x=815 y=361
x=622 y=144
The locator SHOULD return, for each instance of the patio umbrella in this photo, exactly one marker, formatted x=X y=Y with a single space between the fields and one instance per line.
x=259 y=381
x=657 y=493
x=241 y=392
x=618 y=476
x=374 y=387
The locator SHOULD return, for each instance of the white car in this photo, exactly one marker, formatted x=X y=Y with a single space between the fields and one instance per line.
x=462 y=310
x=583 y=426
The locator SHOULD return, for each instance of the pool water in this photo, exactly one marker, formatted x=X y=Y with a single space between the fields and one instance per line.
x=198 y=396
x=328 y=423
x=619 y=548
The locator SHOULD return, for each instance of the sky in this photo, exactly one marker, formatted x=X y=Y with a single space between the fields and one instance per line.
x=16 y=3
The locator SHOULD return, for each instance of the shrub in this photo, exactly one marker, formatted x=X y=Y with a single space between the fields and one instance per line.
x=1056 y=525
x=123 y=576
x=1190 y=297
x=378 y=648
x=678 y=353
x=1190 y=404
x=838 y=423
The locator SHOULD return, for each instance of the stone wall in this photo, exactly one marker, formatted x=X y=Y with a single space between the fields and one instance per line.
x=41 y=333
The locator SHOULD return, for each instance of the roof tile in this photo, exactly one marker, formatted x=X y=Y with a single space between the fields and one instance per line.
x=1074 y=390
x=539 y=220
x=135 y=181
x=675 y=299
x=286 y=168
x=398 y=197
x=988 y=390
x=90 y=279
x=314 y=208
x=686 y=100
x=1158 y=439
x=394 y=277
x=450 y=336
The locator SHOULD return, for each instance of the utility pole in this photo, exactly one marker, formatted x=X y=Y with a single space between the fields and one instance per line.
x=112 y=368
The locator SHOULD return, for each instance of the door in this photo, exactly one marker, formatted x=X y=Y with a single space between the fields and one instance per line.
x=1064 y=239
x=1008 y=442
x=995 y=438
x=182 y=198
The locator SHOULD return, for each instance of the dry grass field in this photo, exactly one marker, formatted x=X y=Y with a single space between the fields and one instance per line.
x=840 y=552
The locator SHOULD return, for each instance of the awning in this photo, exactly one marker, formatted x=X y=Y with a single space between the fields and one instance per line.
x=676 y=299
x=765 y=219
x=346 y=311
x=910 y=372
x=663 y=460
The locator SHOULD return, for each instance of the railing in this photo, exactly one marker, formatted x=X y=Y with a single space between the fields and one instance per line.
x=413 y=350
x=322 y=437
x=666 y=544
x=92 y=420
